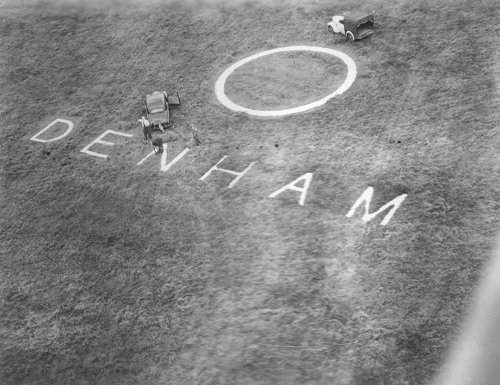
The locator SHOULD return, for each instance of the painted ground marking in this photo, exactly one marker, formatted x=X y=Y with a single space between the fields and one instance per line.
x=100 y=140
x=239 y=175
x=366 y=198
x=163 y=164
x=68 y=130
x=293 y=186
x=222 y=97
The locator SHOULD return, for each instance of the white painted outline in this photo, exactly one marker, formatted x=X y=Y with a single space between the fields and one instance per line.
x=366 y=198
x=292 y=186
x=163 y=164
x=222 y=97
x=99 y=140
x=239 y=175
x=146 y=157
x=68 y=130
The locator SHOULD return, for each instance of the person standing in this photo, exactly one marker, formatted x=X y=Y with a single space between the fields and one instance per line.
x=146 y=129
x=194 y=137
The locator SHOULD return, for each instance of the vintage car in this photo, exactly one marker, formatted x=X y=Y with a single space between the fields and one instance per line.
x=157 y=108
x=352 y=29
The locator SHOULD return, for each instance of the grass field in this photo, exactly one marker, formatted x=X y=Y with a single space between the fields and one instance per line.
x=118 y=273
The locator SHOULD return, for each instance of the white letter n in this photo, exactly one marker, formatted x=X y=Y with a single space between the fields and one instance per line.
x=366 y=197
x=163 y=164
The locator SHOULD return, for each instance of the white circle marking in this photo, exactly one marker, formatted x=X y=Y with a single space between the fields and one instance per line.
x=221 y=95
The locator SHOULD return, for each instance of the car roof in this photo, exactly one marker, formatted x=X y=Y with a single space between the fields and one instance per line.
x=154 y=97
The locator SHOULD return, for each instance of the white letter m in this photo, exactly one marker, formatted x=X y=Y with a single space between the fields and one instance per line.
x=366 y=197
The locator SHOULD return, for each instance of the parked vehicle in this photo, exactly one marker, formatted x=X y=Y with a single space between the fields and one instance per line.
x=352 y=29
x=157 y=108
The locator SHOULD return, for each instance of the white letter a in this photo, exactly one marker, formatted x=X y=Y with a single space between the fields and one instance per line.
x=292 y=186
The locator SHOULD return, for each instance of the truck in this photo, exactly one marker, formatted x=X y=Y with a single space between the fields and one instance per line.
x=352 y=28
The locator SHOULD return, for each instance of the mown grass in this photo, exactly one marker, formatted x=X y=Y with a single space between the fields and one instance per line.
x=117 y=273
x=286 y=80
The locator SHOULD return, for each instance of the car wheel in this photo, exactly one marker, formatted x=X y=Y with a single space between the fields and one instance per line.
x=330 y=29
x=349 y=35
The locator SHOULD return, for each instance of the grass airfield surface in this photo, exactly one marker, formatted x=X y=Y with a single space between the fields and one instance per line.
x=114 y=273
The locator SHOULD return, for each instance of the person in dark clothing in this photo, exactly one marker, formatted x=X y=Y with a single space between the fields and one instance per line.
x=158 y=145
x=195 y=140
